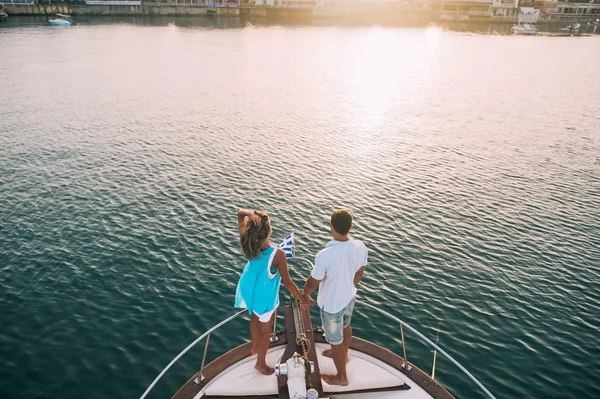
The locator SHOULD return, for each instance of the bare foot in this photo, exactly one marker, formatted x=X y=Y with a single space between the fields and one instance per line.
x=334 y=379
x=264 y=369
x=327 y=353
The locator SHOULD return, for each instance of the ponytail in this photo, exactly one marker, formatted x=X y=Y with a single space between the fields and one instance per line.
x=253 y=237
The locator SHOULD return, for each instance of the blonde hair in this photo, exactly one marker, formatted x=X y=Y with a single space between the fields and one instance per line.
x=252 y=238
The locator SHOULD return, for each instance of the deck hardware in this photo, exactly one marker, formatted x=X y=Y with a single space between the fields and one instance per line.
x=274 y=337
x=437 y=337
x=199 y=378
x=405 y=365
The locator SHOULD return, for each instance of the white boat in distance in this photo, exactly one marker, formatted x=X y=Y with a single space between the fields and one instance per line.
x=524 y=29
x=3 y=14
x=374 y=372
x=572 y=29
x=62 y=20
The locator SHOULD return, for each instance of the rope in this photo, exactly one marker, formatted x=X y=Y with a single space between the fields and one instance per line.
x=301 y=340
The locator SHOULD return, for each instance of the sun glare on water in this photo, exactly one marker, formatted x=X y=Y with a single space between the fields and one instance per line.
x=387 y=65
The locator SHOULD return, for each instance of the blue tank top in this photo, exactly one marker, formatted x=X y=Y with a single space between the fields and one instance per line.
x=258 y=288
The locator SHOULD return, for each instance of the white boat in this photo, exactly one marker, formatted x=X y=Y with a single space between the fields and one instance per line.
x=571 y=29
x=62 y=20
x=524 y=29
x=3 y=14
x=296 y=351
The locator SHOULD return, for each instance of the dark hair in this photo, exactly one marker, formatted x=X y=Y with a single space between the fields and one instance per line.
x=253 y=237
x=341 y=220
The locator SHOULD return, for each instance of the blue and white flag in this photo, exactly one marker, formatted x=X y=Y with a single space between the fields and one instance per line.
x=288 y=246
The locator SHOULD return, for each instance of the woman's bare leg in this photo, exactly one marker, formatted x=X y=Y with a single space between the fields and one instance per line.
x=254 y=333
x=263 y=346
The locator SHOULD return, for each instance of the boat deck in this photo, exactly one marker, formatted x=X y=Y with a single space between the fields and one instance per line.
x=374 y=372
x=369 y=378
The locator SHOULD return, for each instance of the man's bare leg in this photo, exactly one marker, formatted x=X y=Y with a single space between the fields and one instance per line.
x=339 y=359
x=347 y=339
x=346 y=343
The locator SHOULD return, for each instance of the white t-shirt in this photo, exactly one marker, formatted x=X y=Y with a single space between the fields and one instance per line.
x=336 y=266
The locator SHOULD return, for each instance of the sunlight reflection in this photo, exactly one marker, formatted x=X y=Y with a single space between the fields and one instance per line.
x=387 y=67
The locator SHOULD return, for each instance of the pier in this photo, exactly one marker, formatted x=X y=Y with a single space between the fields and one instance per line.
x=493 y=11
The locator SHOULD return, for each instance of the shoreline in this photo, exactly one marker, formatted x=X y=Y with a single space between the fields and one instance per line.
x=373 y=15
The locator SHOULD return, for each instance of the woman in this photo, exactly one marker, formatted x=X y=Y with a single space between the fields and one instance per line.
x=258 y=288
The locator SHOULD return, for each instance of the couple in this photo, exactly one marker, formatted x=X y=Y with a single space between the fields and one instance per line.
x=338 y=270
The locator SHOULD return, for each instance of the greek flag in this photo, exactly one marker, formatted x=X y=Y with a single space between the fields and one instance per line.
x=288 y=246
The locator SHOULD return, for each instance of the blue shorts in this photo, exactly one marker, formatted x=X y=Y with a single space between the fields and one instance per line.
x=334 y=324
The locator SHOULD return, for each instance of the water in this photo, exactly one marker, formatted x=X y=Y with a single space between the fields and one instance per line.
x=470 y=161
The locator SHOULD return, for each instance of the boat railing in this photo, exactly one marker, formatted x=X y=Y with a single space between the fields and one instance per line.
x=418 y=334
x=199 y=377
x=427 y=341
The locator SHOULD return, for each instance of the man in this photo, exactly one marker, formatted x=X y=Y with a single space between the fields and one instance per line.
x=338 y=270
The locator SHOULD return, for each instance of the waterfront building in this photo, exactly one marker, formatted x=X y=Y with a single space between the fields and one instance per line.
x=289 y=3
x=504 y=8
x=464 y=8
x=577 y=10
x=528 y=15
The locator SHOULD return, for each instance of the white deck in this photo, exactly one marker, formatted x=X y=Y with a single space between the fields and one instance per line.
x=364 y=372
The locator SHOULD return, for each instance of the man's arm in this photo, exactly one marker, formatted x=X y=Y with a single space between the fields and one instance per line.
x=317 y=275
x=359 y=275
x=361 y=271
x=310 y=285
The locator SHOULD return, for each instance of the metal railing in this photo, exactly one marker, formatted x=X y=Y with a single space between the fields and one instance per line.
x=113 y=3
x=199 y=377
x=190 y=346
x=428 y=341
x=424 y=338
x=19 y=2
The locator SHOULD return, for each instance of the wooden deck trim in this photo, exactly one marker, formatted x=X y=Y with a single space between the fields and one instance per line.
x=423 y=380
x=403 y=387
x=191 y=389
x=315 y=377
x=211 y=370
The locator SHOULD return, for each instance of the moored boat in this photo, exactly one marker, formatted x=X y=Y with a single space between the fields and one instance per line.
x=572 y=29
x=524 y=29
x=373 y=371
x=62 y=20
x=3 y=14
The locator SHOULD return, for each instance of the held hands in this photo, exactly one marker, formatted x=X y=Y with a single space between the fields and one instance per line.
x=306 y=300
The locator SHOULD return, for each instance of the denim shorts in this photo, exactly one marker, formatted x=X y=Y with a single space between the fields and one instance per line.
x=334 y=324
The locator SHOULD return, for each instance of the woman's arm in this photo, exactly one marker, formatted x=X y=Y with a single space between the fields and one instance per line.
x=242 y=214
x=281 y=265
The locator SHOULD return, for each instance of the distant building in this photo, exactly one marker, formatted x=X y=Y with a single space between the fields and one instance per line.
x=505 y=8
x=528 y=15
x=480 y=8
x=289 y=3
x=588 y=10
